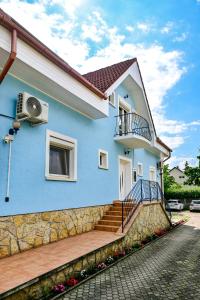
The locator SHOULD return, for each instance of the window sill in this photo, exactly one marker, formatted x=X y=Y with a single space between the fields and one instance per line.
x=60 y=178
x=103 y=168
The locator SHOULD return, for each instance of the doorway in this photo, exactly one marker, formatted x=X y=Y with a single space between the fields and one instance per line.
x=125 y=176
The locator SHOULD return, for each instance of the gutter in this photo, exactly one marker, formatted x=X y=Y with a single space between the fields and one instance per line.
x=11 y=57
x=28 y=38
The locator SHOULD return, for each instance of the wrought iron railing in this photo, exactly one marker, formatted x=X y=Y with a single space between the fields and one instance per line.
x=143 y=190
x=132 y=123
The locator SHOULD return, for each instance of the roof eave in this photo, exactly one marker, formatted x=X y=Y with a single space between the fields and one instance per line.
x=23 y=34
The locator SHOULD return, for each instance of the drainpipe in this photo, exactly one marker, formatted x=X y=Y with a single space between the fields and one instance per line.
x=161 y=173
x=11 y=57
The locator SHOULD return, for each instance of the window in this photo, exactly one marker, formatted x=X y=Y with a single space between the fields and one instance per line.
x=112 y=99
x=61 y=157
x=134 y=176
x=152 y=174
x=140 y=169
x=181 y=176
x=103 y=159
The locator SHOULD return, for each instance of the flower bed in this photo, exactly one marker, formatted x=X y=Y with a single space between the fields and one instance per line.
x=92 y=270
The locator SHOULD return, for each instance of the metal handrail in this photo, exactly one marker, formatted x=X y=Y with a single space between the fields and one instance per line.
x=143 y=190
x=132 y=123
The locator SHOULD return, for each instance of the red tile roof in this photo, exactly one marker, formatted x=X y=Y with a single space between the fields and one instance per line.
x=105 y=77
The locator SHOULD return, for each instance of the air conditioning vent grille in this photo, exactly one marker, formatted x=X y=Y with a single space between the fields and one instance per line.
x=33 y=107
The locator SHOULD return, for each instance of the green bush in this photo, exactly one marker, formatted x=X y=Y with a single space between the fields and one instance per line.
x=183 y=193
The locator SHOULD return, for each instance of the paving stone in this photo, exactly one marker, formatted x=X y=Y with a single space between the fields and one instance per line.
x=167 y=269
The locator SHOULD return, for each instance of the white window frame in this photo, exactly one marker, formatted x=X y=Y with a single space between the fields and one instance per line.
x=64 y=141
x=134 y=170
x=140 y=165
x=106 y=156
x=113 y=103
x=152 y=168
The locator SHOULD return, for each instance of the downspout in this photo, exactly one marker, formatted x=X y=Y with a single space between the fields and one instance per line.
x=161 y=173
x=11 y=57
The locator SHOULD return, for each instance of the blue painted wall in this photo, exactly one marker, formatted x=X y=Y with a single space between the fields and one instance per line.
x=29 y=191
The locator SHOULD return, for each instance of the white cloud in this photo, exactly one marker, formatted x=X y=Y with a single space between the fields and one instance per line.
x=129 y=28
x=181 y=38
x=69 y=6
x=167 y=28
x=94 y=27
x=180 y=161
x=173 y=141
x=68 y=36
x=144 y=27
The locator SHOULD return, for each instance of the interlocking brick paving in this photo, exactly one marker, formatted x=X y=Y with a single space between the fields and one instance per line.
x=167 y=269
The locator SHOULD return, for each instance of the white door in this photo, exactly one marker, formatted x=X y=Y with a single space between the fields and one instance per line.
x=124 y=178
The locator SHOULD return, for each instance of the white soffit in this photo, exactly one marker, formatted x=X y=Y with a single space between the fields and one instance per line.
x=37 y=71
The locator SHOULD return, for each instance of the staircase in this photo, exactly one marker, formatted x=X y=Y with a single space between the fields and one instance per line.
x=143 y=190
x=112 y=220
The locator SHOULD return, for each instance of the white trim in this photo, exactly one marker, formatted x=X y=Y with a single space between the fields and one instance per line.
x=129 y=160
x=32 y=66
x=106 y=156
x=142 y=170
x=65 y=141
x=152 y=168
x=114 y=97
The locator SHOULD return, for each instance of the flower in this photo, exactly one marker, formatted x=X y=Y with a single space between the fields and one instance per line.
x=72 y=281
x=101 y=266
x=83 y=274
x=122 y=253
x=59 y=288
x=109 y=260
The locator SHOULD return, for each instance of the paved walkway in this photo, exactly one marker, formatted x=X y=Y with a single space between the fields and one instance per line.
x=22 y=267
x=166 y=269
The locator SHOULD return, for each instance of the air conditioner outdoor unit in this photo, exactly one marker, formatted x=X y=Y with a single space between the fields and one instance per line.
x=31 y=109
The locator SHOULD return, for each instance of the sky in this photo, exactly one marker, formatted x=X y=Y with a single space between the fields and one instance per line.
x=163 y=35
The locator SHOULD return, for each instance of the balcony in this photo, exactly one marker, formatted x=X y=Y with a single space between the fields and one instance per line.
x=132 y=130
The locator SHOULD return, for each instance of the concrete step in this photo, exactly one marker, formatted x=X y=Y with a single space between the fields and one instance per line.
x=106 y=228
x=112 y=217
x=110 y=222
x=115 y=213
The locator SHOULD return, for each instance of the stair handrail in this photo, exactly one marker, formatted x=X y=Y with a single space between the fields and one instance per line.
x=143 y=190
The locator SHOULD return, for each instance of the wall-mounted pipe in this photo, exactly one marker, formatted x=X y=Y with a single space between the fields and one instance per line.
x=11 y=57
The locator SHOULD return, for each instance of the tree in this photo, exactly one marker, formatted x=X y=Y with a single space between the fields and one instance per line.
x=169 y=180
x=192 y=173
x=193 y=176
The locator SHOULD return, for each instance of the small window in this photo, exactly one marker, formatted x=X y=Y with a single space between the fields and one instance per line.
x=140 y=169
x=152 y=174
x=61 y=157
x=181 y=176
x=103 y=159
x=134 y=176
x=112 y=99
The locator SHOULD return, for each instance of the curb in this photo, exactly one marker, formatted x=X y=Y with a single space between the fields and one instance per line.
x=113 y=264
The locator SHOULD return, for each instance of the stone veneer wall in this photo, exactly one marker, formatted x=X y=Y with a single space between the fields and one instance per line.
x=23 y=232
x=150 y=217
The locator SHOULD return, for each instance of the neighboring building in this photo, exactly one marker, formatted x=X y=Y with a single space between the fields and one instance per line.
x=178 y=175
x=97 y=138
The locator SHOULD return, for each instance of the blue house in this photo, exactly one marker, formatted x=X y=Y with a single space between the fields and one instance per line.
x=84 y=140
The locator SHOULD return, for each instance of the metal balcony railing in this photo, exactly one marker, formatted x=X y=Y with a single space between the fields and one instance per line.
x=143 y=190
x=132 y=123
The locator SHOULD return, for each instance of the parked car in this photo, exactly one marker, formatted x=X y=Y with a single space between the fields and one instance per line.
x=175 y=205
x=195 y=205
